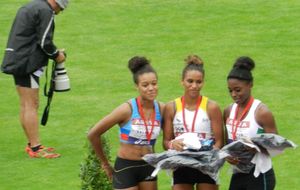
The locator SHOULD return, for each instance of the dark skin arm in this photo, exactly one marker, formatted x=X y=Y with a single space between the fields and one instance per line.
x=215 y=116
x=167 y=125
x=229 y=159
x=265 y=118
x=225 y=116
x=168 y=134
x=117 y=116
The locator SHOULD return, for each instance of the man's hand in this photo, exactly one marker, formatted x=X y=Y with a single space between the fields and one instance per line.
x=61 y=56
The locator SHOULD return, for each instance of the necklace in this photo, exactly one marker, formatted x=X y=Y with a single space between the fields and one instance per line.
x=195 y=114
x=152 y=116
x=236 y=121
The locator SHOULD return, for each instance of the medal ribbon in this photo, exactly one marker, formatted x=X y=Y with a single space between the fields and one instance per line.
x=195 y=114
x=236 y=122
x=141 y=111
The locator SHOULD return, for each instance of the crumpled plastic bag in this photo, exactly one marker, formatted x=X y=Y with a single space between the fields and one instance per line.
x=273 y=143
x=240 y=149
x=266 y=146
x=190 y=141
x=208 y=162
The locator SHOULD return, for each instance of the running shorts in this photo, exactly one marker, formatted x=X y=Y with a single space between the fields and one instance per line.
x=29 y=81
x=265 y=181
x=186 y=175
x=128 y=173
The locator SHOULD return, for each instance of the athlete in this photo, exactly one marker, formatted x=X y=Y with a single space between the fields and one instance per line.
x=140 y=123
x=192 y=113
x=247 y=117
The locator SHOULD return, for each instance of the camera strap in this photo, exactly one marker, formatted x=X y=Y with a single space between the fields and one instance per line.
x=48 y=94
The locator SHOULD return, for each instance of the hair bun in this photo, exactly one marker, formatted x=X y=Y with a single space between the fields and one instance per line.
x=193 y=59
x=244 y=62
x=136 y=63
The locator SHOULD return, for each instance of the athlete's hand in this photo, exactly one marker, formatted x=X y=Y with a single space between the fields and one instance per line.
x=108 y=171
x=177 y=144
x=232 y=160
x=251 y=150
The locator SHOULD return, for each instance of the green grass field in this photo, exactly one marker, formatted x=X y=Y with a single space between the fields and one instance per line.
x=101 y=36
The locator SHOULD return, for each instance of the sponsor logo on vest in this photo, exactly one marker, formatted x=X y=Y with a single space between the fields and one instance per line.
x=141 y=142
x=243 y=124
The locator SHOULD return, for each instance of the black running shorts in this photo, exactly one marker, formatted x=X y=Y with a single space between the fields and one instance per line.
x=186 y=175
x=244 y=181
x=128 y=173
x=29 y=81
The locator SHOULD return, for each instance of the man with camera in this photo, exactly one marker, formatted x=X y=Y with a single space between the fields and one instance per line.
x=29 y=48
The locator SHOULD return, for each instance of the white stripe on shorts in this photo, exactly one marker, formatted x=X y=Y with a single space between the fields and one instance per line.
x=33 y=83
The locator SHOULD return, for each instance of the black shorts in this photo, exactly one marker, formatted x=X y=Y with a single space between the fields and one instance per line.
x=29 y=81
x=128 y=173
x=186 y=175
x=242 y=181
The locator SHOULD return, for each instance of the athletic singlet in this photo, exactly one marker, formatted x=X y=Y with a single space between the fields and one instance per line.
x=248 y=127
x=202 y=122
x=134 y=131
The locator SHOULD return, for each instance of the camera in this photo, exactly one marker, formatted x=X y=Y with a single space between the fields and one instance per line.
x=61 y=79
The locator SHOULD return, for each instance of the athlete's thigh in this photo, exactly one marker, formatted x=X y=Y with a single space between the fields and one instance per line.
x=148 y=185
x=130 y=188
x=207 y=186
x=183 y=187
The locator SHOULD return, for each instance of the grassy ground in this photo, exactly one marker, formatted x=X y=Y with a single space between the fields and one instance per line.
x=100 y=36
